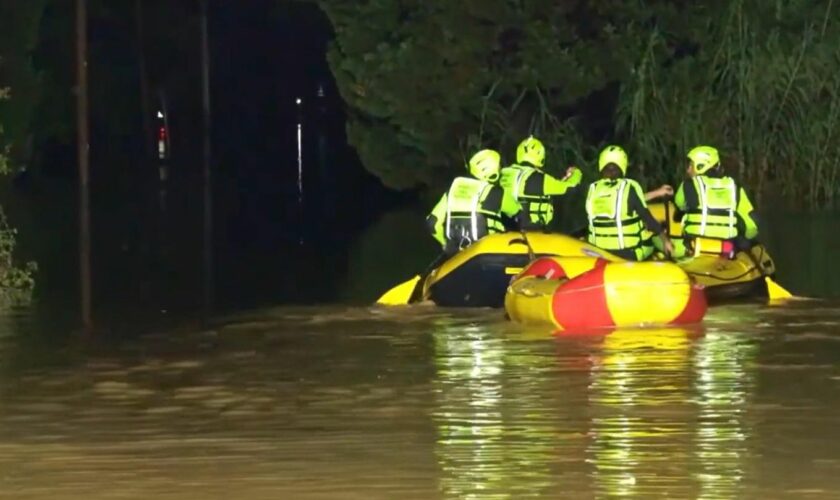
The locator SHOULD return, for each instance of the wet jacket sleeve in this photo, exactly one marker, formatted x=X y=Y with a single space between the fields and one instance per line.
x=636 y=203
x=542 y=184
x=745 y=215
x=685 y=199
x=434 y=222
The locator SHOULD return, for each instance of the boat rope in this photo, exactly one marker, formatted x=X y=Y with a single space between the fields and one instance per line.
x=733 y=278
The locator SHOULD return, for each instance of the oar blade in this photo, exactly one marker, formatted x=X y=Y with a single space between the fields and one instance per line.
x=776 y=291
x=400 y=294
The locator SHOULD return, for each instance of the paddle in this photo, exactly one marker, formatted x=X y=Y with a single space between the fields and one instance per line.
x=531 y=255
x=409 y=291
x=774 y=290
x=667 y=228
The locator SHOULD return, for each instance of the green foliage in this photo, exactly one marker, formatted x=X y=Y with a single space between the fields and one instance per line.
x=762 y=87
x=428 y=82
x=20 y=91
x=16 y=283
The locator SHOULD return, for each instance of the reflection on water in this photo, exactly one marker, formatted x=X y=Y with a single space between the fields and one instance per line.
x=491 y=443
x=640 y=398
x=471 y=431
x=424 y=403
x=672 y=399
x=723 y=377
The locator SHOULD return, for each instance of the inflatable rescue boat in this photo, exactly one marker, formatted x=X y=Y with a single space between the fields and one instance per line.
x=574 y=293
x=478 y=275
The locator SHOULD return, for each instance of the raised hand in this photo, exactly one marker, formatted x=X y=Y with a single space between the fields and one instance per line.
x=665 y=190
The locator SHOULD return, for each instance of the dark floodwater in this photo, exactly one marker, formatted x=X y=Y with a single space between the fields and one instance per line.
x=349 y=401
x=333 y=402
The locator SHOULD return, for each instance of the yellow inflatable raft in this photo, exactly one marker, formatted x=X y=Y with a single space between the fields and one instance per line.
x=574 y=293
x=478 y=276
x=724 y=276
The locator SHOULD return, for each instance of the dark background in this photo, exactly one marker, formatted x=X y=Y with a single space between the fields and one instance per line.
x=269 y=245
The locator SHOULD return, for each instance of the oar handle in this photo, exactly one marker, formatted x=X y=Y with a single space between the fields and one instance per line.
x=418 y=288
x=666 y=225
x=531 y=255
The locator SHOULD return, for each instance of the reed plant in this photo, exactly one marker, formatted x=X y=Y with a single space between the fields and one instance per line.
x=766 y=92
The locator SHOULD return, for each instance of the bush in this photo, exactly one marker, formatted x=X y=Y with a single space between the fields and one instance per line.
x=16 y=283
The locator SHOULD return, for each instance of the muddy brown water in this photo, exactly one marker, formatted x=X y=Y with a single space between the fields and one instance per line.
x=356 y=402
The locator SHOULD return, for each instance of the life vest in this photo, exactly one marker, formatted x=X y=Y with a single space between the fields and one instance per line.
x=714 y=217
x=538 y=208
x=466 y=219
x=611 y=227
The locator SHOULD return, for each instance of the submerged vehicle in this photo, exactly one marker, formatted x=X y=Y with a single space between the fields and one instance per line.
x=479 y=275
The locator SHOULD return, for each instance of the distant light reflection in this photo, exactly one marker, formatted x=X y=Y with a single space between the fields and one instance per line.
x=641 y=389
x=640 y=378
x=652 y=401
x=486 y=447
x=723 y=384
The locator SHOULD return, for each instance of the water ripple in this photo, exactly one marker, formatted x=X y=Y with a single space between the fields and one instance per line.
x=428 y=403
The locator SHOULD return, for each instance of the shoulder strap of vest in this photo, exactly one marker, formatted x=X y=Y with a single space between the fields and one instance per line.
x=522 y=175
x=479 y=187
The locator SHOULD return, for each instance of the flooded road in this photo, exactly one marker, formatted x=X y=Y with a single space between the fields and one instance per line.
x=348 y=401
x=337 y=402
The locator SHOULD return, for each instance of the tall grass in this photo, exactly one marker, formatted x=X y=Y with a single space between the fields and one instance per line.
x=530 y=113
x=767 y=95
x=762 y=85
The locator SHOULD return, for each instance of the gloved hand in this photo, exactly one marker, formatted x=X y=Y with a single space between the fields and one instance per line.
x=569 y=172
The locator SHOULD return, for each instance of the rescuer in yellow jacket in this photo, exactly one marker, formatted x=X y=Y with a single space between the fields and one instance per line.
x=473 y=206
x=619 y=220
x=711 y=204
x=534 y=189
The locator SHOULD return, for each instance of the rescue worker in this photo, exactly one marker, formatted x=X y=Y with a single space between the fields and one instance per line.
x=473 y=206
x=534 y=189
x=619 y=220
x=712 y=205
